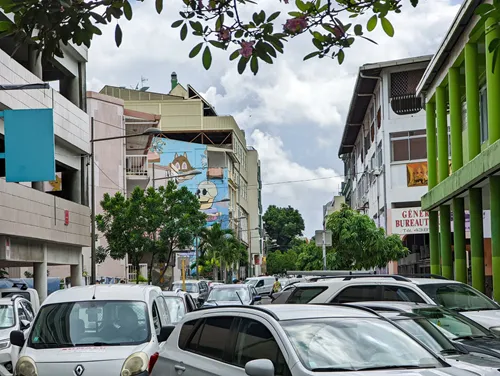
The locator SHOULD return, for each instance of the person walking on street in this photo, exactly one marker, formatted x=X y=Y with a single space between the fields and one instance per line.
x=276 y=285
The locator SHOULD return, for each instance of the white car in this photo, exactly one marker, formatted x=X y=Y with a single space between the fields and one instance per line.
x=269 y=340
x=16 y=313
x=453 y=295
x=95 y=330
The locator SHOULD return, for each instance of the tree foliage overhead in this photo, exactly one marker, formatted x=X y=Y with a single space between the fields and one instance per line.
x=218 y=24
x=151 y=222
x=359 y=243
x=283 y=225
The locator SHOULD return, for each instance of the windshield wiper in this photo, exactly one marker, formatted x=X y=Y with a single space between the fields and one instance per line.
x=473 y=337
x=97 y=344
x=408 y=366
x=331 y=369
x=451 y=352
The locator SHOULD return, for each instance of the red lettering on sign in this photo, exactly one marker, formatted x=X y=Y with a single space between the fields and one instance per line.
x=66 y=217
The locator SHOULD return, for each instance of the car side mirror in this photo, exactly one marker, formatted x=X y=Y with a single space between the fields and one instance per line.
x=25 y=324
x=257 y=298
x=17 y=338
x=259 y=367
x=165 y=332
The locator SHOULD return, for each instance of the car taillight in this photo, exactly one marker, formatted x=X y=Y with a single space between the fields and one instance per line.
x=152 y=361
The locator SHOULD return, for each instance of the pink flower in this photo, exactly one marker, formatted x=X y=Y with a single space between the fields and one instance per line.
x=200 y=4
x=285 y=1
x=224 y=34
x=339 y=32
x=246 y=49
x=295 y=25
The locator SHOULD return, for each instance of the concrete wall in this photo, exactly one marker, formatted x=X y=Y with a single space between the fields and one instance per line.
x=254 y=210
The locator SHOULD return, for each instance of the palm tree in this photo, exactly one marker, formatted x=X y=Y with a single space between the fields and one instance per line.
x=214 y=244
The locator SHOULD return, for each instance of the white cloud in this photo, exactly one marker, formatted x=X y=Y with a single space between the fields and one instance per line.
x=291 y=96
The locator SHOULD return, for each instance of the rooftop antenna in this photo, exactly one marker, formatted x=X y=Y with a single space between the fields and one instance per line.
x=140 y=85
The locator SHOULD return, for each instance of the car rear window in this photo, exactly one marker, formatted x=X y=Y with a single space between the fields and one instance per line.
x=303 y=295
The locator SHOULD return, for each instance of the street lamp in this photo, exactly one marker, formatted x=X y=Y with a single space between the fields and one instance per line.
x=147 y=132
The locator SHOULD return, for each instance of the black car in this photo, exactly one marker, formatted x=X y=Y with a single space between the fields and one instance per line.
x=468 y=334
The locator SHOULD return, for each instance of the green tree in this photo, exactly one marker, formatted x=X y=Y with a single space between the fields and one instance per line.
x=280 y=262
x=359 y=244
x=218 y=24
x=282 y=225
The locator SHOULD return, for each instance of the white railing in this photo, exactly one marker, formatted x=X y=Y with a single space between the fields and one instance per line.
x=137 y=165
x=132 y=275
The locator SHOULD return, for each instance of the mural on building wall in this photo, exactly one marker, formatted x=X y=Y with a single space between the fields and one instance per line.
x=178 y=157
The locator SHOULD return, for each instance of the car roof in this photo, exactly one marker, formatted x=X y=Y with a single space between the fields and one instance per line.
x=393 y=306
x=101 y=292
x=228 y=286
x=189 y=281
x=177 y=294
x=326 y=282
x=8 y=301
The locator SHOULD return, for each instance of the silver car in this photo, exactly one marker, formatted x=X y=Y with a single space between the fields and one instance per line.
x=307 y=340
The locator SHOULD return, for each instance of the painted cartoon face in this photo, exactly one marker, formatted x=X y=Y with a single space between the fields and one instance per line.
x=206 y=193
x=181 y=163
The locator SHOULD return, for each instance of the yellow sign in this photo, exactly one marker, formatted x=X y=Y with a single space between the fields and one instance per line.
x=417 y=174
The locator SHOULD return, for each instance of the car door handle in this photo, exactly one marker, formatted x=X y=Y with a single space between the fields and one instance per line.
x=180 y=368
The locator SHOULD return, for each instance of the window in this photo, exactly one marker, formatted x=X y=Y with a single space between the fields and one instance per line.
x=380 y=155
x=483 y=103
x=210 y=339
x=156 y=319
x=408 y=146
x=357 y=294
x=29 y=310
x=303 y=295
x=255 y=341
x=185 y=334
x=398 y=293
x=164 y=311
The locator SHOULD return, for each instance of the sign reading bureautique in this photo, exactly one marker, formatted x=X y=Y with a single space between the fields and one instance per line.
x=409 y=221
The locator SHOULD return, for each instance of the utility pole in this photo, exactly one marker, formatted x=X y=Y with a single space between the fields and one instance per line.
x=93 y=268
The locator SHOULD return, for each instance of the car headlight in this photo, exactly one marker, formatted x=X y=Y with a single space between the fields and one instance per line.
x=25 y=367
x=4 y=343
x=135 y=364
x=495 y=330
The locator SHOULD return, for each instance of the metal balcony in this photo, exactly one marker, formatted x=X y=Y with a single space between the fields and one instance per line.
x=137 y=167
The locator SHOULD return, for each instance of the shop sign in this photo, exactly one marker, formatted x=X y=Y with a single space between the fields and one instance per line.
x=409 y=221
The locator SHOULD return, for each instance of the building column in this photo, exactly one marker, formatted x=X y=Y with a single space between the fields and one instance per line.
x=76 y=274
x=493 y=87
x=457 y=162
x=445 y=227
x=40 y=276
x=35 y=62
x=432 y=181
x=476 y=238
x=69 y=87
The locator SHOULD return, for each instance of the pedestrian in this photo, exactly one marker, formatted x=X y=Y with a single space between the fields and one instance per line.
x=276 y=285
x=235 y=280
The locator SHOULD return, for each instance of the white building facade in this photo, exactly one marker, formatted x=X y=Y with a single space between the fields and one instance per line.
x=384 y=152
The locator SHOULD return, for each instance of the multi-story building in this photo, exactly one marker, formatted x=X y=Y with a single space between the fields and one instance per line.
x=384 y=152
x=197 y=139
x=332 y=207
x=46 y=223
x=460 y=89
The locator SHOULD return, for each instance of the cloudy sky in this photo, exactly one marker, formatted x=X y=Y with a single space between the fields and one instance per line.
x=293 y=112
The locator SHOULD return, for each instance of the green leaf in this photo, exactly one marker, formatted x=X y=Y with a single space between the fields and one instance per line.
x=234 y=55
x=118 y=35
x=196 y=50
x=273 y=16
x=159 y=6
x=295 y=14
x=219 y=22
x=254 y=64
x=207 y=58
x=493 y=45
x=372 y=23
x=269 y=49
x=311 y=55
x=317 y=44
x=414 y=3
x=217 y=44
x=358 y=30
x=239 y=34
x=178 y=23
x=184 y=31
x=98 y=17
x=242 y=64
x=96 y=30
x=301 y=5
x=483 y=9
x=5 y=25
x=340 y=56
x=127 y=10
x=196 y=26
x=387 y=26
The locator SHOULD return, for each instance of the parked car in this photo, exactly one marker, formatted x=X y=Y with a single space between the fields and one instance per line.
x=263 y=285
x=453 y=295
x=95 y=330
x=197 y=288
x=270 y=340
x=16 y=313
x=430 y=334
x=456 y=327
x=179 y=303
x=232 y=294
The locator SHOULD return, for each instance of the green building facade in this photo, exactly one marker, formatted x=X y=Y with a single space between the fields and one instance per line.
x=461 y=90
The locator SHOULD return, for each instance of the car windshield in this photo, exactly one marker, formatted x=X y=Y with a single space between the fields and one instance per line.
x=90 y=323
x=453 y=325
x=252 y=282
x=427 y=333
x=350 y=344
x=458 y=297
x=176 y=308
x=6 y=316
x=190 y=287
x=229 y=294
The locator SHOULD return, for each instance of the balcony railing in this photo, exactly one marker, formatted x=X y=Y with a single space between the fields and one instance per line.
x=137 y=166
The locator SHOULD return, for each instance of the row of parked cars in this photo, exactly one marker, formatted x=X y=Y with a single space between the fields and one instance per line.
x=327 y=326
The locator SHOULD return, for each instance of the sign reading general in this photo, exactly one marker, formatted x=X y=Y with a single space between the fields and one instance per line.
x=409 y=221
